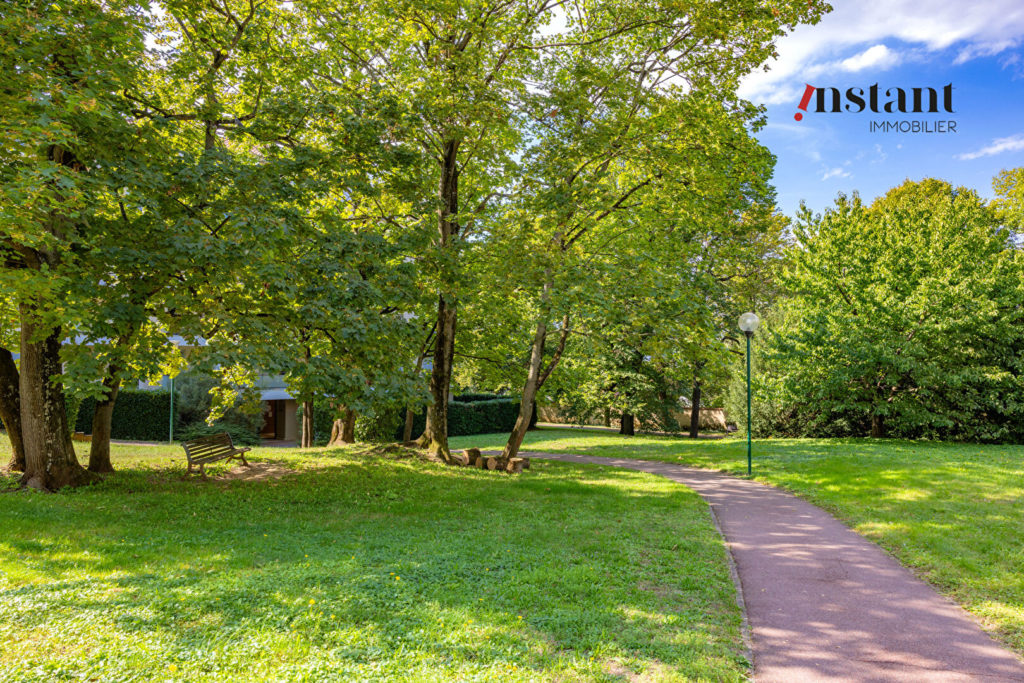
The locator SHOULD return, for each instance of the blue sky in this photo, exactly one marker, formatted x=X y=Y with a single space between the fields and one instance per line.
x=976 y=46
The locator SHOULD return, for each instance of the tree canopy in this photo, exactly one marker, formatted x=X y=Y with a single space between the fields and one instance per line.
x=321 y=189
x=902 y=318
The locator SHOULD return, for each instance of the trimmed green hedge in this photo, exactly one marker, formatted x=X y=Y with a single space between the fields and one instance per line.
x=476 y=398
x=240 y=435
x=138 y=415
x=477 y=417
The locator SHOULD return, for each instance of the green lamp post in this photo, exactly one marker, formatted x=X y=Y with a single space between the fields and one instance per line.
x=170 y=377
x=170 y=427
x=749 y=324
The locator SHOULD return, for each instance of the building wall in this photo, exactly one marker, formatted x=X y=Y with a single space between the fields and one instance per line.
x=291 y=423
x=710 y=418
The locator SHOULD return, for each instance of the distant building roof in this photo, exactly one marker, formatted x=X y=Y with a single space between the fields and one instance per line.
x=275 y=395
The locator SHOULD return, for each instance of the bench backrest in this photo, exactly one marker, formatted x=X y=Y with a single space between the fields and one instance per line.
x=209 y=446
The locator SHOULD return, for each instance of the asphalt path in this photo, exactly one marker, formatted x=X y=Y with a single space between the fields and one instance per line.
x=823 y=603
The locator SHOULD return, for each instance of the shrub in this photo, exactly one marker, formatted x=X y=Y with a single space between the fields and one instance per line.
x=192 y=401
x=474 y=398
x=138 y=415
x=143 y=416
x=478 y=417
x=240 y=434
x=192 y=396
x=381 y=427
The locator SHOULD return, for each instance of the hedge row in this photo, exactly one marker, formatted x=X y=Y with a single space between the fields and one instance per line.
x=138 y=415
x=476 y=398
x=477 y=417
x=142 y=416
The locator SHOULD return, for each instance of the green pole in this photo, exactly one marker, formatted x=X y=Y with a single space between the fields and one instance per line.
x=170 y=424
x=749 y=335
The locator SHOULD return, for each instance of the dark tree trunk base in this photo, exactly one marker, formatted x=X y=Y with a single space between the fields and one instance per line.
x=695 y=412
x=50 y=460
x=343 y=431
x=10 y=409
x=60 y=477
x=102 y=419
x=627 y=426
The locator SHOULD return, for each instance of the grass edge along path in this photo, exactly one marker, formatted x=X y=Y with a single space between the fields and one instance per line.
x=363 y=567
x=952 y=513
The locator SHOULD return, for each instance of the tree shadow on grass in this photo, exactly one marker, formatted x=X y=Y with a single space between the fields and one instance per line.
x=951 y=512
x=366 y=565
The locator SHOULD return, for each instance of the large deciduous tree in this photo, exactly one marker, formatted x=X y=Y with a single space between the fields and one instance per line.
x=62 y=67
x=904 y=318
x=566 y=112
x=198 y=196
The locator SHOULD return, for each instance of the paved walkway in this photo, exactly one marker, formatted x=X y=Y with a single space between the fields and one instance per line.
x=825 y=604
x=615 y=430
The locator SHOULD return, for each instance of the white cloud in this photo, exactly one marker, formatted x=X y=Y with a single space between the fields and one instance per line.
x=984 y=50
x=1012 y=143
x=862 y=27
x=837 y=172
x=875 y=57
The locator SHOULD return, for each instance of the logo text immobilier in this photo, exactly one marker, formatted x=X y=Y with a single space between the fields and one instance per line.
x=890 y=101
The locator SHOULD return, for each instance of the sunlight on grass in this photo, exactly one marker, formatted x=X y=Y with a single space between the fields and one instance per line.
x=954 y=513
x=363 y=567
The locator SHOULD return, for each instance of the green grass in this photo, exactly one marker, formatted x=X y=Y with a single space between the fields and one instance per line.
x=360 y=567
x=954 y=513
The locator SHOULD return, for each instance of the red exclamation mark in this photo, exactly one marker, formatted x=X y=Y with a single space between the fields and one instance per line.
x=808 y=91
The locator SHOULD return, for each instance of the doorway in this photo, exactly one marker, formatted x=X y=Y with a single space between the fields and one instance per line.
x=273 y=420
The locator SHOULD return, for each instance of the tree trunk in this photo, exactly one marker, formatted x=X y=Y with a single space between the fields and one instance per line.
x=515 y=439
x=348 y=432
x=607 y=416
x=410 y=416
x=307 y=425
x=99 y=448
x=343 y=431
x=50 y=461
x=535 y=376
x=878 y=426
x=10 y=409
x=435 y=434
x=626 y=424
x=695 y=411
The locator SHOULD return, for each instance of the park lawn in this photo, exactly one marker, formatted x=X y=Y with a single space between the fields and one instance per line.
x=954 y=513
x=363 y=567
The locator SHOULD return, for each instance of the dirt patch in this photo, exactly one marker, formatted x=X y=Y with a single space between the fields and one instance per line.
x=397 y=451
x=658 y=589
x=257 y=471
x=402 y=451
x=652 y=671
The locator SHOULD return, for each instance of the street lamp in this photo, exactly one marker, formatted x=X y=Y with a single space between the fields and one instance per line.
x=749 y=324
x=170 y=421
x=170 y=427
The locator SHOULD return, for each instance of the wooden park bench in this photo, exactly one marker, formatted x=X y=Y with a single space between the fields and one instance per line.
x=207 y=449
